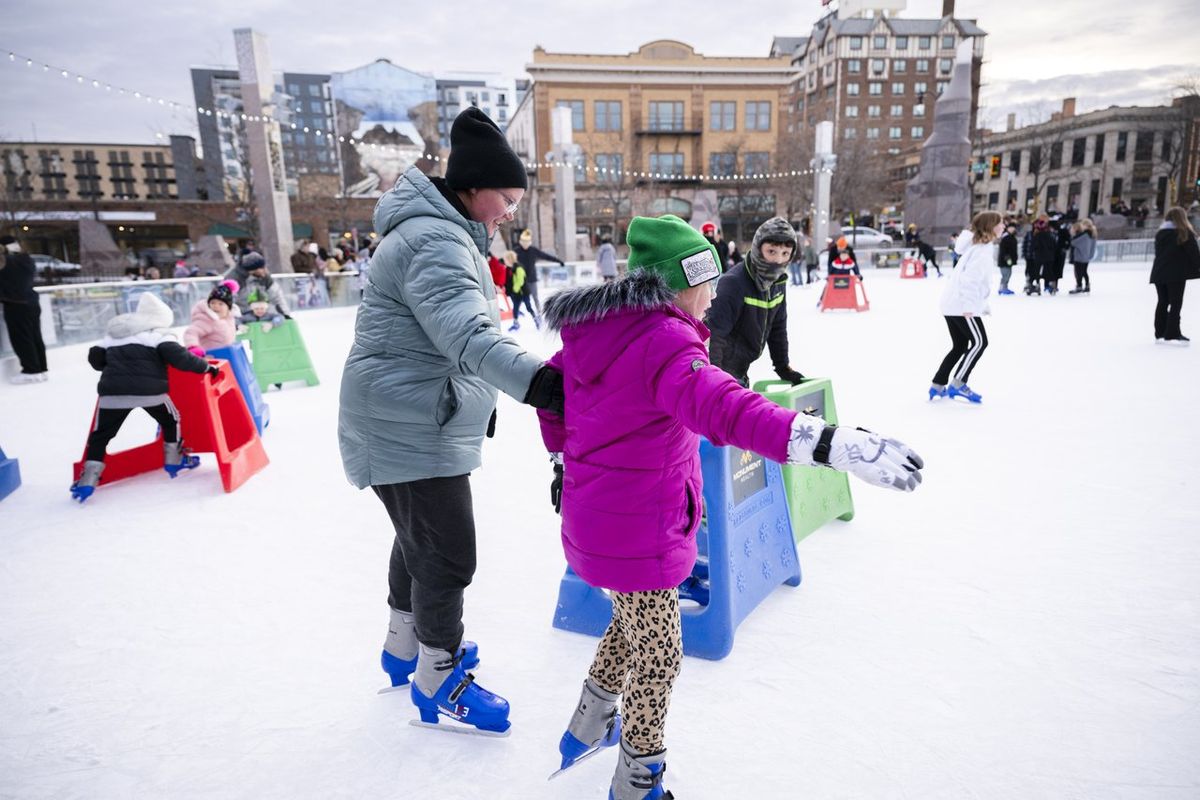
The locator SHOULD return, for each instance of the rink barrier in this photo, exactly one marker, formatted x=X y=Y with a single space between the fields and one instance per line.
x=213 y=418
x=911 y=268
x=746 y=550
x=844 y=292
x=10 y=475
x=279 y=355
x=238 y=356
x=816 y=495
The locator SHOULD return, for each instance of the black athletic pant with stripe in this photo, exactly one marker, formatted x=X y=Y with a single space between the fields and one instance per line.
x=970 y=340
x=110 y=420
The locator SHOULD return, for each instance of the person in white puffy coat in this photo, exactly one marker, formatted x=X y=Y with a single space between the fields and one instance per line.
x=964 y=303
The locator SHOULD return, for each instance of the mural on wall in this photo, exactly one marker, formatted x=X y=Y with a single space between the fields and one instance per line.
x=391 y=113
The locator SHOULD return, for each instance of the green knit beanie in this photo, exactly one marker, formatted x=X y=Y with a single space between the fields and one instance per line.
x=674 y=249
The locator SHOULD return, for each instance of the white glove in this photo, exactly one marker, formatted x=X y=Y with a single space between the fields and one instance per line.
x=870 y=457
x=266 y=327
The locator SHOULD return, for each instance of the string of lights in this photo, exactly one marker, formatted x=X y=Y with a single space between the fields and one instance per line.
x=602 y=174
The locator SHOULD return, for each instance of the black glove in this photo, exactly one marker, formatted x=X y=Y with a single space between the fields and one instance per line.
x=213 y=371
x=556 y=487
x=790 y=375
x=546 y=390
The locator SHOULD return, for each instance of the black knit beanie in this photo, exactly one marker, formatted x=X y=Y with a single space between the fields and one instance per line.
x=480 y=157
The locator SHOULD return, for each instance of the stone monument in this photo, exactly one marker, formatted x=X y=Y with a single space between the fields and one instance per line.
x=266 y=149
x=938 y=199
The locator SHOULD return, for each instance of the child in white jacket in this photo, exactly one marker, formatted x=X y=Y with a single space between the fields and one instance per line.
x=964 y=303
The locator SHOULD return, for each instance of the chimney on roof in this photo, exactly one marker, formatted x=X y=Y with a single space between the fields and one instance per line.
x=1068 y=109
x=947 y=8
x=1012 y=121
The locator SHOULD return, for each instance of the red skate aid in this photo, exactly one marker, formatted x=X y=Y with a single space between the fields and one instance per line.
x=123 y=463
x=911 y=268
x=213 y=418
x=844 y=291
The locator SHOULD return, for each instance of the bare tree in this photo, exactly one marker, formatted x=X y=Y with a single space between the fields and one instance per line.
x=1045 y=154
x=615 y=190
x=860 y=180
x=793 y=193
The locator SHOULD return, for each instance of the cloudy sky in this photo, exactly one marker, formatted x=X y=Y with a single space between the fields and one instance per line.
x=1103 y=52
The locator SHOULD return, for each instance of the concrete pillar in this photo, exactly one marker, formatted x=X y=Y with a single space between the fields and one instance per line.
x=823 y=164
x=564 y=154
x=266 y=150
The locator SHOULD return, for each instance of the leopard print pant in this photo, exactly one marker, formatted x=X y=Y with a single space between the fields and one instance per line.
x=639 y=657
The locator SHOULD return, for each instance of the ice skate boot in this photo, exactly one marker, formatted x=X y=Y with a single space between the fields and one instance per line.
x=936 y=391
x=594 y=726
x=516 y=326
x=639 y=777
x=456 y=696
x=176 y=459
x=82 y=489
x=402 y=641
x=965 y=392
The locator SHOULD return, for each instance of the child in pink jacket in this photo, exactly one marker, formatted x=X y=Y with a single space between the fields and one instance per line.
x=213 y=322
x=640 y=392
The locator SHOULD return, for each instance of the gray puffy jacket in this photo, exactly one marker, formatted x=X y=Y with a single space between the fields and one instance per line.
x=420 y=382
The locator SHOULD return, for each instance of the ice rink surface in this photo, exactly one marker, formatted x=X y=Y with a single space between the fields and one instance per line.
x=1026 y=625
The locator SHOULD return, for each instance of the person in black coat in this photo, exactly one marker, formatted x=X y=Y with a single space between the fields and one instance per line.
x=529 y=255
x=1007 y=257
x=1044 y=246
x=927 y=253
x=22 y=312
x=750 y=309
x=1062 y=246
x=132 y=361
x=1176 y=261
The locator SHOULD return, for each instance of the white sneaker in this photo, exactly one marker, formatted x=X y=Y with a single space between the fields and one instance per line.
x=43 y=377
x=24 y=377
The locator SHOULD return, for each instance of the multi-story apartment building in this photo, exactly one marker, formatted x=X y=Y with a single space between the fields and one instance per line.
x=657 y=130
x=1099 y=162
x=96 y=173
x=490 y=92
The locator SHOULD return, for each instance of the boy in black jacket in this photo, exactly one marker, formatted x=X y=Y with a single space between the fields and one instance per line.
x=132 y=361
x=750 y=309
x=1008 y=256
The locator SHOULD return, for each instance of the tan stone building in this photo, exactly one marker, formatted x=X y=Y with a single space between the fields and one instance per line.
x=660 y=130
x=92 y=172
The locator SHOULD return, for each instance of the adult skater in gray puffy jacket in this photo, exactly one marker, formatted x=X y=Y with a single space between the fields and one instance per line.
x=418 y=395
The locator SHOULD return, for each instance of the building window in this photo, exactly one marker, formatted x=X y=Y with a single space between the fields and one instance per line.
x=666 y=116
x=609 y=167
x=1052 y=197
x=1166 y=146
x=608 y=115
x=722 y=116
x=1118 y=188
x=924 y=42
x=1122 y=144
x=875 y=88
x=877 y=66
x=812 y=81
x=314 y=89
x=1094 y=198
x=900 y=66
x=829 y=47
x=666 y=164
x=576 y=106
x=1098 y=154
x=829 y=72
x=854 y=66
x=948 y=42
x=501 y=99
x=922 y=65
x=800 y=106
x=897 y=88
x=722 y=164
x=895 y=133
x=879 y=43
x=87 y=176
x=293 y=89
x=829 y=92
x=758 y=116
x=918 y=132
x=1078 y=147
x=1056 y=154
x=856 y=42
x=852 y=89
x=945 y=65
x=896 y=111
x=872 y=133
x=920 y=87
x=757 y=163
x=1143 y=147
x=851 y=133
x=851 y=111
x=919 y=110
x=873 y=111
x=581 y=168
x=941 y=87
x=1014 y=162
x=901 y=42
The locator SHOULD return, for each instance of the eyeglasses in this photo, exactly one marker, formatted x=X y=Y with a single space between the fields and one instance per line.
x=511 y=207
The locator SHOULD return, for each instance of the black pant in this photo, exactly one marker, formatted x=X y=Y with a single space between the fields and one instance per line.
x=969 y=341
x=24 y=324
x=531 y=293
x=433 y=555
x=110 y=420
x=1081 y=277
x=1166 y=315
x=519 y=299
x=812 y=270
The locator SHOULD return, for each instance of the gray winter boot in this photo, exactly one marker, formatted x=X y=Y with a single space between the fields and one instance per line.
x=594 y=725
x=639 y=777
x=175 y=458
x=89 y=479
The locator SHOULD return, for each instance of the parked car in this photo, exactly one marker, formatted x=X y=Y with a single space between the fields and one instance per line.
x=865 y=238
x=45 y=263
x=161 y=257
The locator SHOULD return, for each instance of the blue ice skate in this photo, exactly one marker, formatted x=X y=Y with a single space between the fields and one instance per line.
x=89 y=479
x=936 y=391
x=594 y=726
x=460 y=699
x=400 y=670
x=639 y=777
x=964 y=392
x=176 y=459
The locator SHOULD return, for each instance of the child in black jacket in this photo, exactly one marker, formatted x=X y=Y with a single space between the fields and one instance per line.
x=132 y=361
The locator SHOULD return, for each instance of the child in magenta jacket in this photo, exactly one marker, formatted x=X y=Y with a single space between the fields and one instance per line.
x=640 y=392
x=214 y=323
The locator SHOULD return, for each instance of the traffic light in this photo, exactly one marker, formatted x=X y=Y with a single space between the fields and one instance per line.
x=995 y=166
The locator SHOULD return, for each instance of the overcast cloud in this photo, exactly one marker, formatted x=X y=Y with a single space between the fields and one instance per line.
x=1103 y=52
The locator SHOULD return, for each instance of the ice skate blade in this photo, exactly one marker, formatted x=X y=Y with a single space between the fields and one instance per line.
x=576 y=762
x=389 y=689
x=466 y=730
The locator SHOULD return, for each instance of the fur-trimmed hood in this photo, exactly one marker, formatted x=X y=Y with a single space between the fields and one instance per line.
x=640 y=290
x=151 y=314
